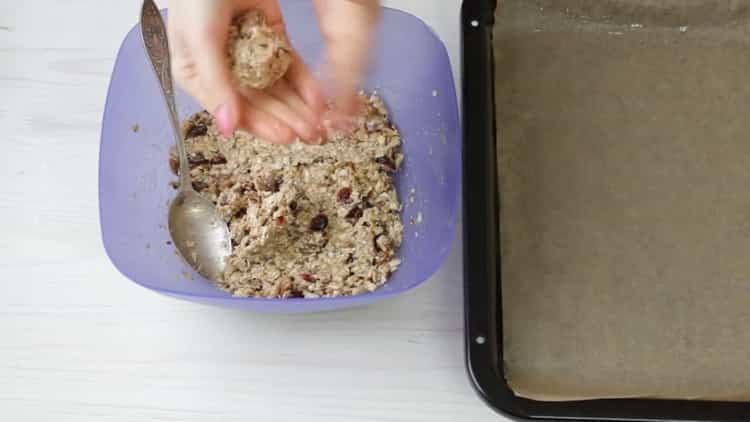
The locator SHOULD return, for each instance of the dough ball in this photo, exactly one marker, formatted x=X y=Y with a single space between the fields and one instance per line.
x=258 y=55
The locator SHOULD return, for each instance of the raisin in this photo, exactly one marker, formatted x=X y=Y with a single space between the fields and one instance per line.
x=169 y=242
x=293 y=205
x=349 y=259
x=247 y=187
x=196 y=129
x=199 y=186
x=296 y=294
x=277 y=183
x=280 y=220
x=196 y=159
x=319 y=223
x=218 y=159
x=240 y=213
x=355 y=213
x=344 y=195
x=386 y=162
x=174 y=165
x=309 y=278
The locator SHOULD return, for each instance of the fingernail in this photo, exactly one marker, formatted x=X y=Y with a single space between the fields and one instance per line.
x=224 y=120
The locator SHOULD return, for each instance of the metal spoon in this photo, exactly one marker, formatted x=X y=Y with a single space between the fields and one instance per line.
x=197 y=230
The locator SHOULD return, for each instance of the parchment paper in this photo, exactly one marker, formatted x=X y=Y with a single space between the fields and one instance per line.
x=624 y=131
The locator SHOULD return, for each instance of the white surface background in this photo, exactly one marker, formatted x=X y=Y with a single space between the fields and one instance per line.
x=79 y=342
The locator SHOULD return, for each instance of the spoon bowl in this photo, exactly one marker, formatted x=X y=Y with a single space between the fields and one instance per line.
x=199 y=233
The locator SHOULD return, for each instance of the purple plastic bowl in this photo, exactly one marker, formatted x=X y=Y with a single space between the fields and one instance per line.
x=411 y=71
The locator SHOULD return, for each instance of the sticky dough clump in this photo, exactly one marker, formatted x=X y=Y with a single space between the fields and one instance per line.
x=258 y=55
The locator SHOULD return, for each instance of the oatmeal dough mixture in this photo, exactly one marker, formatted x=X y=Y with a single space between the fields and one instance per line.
x=258 y=55
x=306 y=221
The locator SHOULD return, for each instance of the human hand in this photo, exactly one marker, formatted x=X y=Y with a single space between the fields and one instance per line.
x=347 y=27
x=198 y=32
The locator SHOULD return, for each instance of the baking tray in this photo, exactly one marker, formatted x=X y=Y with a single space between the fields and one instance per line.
x=483 y=304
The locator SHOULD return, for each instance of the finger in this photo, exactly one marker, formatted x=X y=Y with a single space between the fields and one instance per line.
x=283 y=92
x=214 y=87
x=346 y=27
x=266 y=127
x=303 y=81
x=282 y=111
x=344 y=75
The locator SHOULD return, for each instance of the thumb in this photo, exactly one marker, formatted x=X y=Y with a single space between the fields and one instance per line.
x=215 y=88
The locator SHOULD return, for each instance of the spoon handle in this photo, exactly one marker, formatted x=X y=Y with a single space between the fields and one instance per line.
x=155 y=40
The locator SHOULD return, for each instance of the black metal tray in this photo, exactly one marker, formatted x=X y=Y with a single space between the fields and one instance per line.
x=483 y=304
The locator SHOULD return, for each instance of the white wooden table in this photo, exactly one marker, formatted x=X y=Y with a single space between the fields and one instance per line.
x=78 y=342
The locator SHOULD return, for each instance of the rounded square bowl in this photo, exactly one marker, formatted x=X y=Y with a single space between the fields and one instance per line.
x=411 y=71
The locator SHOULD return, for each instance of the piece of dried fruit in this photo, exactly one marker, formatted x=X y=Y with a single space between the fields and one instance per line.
x=277 y=183
x=296 y=294
x=355 y=213
x=196 y=129
x=319 y=223
x=309 y=278
x=196 y=159
x=218 y=159
x=240 y=213
x=280 y=220
x=199 y=186
x=293 y=205
x=344 y=195
x=386 y=162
